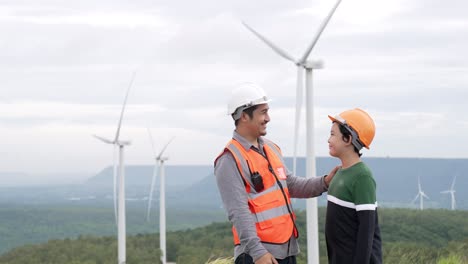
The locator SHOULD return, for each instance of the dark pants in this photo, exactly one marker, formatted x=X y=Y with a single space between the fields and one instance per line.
x=247 y=259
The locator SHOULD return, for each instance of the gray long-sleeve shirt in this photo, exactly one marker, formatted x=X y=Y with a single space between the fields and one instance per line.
x=235 y=200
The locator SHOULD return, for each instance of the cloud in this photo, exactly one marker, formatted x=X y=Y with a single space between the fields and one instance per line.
x=66 y=67
x=44 y=114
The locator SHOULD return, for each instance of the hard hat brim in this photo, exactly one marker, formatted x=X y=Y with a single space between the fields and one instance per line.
x=335 y=119
x=252 y=104
x=237 y=113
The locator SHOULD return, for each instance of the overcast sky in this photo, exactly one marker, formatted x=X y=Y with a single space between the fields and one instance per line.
x=65 y=67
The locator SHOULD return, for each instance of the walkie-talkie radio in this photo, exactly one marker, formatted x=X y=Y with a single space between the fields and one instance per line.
x=257 y=181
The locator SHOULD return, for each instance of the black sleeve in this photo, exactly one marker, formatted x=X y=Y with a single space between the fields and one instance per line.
x=365 y=236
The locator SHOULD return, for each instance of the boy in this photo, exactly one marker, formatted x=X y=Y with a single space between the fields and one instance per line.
x=352 y=230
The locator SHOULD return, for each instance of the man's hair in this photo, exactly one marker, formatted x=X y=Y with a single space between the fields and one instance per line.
x=347 y=137
x=249 y=111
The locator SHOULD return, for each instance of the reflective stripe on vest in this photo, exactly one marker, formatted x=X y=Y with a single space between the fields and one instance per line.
x=270 y=208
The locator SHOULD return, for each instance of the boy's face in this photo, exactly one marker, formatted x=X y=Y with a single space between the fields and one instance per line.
x=336 y=144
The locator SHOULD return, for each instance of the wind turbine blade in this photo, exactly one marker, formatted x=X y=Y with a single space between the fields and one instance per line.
x=319 y=32
x=277 y=49
x=415 y=198
x=448 y=191
x=114 y=172
x=299 y=90
x=419 y=184
x=152 y=142
x=105 y=140
x=164 y=148
x=123 y=108
x=453 y=183
x=425 y=196
x=150 y=199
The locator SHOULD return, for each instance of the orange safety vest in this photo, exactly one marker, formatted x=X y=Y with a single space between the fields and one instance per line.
x=271 y=207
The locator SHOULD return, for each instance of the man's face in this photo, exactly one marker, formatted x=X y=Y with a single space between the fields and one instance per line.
x=260 y=117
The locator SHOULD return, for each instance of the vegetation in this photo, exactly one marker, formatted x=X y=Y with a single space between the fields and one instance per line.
x=33 y=224
x=222 y=261
x=409 y=236
x=85 y=250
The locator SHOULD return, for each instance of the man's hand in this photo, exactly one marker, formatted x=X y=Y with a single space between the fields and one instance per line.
x=330 y=175
x=266 y=259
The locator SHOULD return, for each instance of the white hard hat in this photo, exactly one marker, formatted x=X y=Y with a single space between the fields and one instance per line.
x=244 y=96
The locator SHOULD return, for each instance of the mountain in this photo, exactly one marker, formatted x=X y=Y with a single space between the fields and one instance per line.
x=176 y=175
x=22 y=179
x=195 y=186
x=98 y=189
x=12 y=178
x=396 y=178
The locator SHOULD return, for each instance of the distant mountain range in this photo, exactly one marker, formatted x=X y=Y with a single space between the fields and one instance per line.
x=176 y=175
x=195 y=186
x=396 y=178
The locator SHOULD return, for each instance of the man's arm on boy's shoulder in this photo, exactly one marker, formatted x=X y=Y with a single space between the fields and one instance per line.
x=300 y=187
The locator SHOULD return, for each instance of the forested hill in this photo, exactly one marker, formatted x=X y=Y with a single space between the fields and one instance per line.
x=409 y=236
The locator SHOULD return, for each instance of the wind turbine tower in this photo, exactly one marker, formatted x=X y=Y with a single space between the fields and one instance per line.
x=421 y=195
x=309 y=65
x=160 y=159
x=119 y=212
x=452 y=193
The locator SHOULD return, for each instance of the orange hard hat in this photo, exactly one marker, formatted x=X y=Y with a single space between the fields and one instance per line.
x=361 y=124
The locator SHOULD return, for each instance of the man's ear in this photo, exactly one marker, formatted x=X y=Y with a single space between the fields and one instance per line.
x=244 y=117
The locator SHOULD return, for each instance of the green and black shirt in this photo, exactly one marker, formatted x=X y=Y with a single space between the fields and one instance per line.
x=352 y=229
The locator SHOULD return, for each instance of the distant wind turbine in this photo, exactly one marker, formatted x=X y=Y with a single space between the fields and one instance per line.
x=120 y=210
x=421 y=195
x=308 y=65
x=452 y=192
x=160 y=159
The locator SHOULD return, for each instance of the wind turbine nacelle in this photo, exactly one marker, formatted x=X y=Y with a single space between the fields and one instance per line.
x=162 y=158
x=124 y=142
x=314 y=64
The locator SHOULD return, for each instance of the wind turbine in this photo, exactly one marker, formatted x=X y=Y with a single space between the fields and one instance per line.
x=421 y=196
x=309 y=65
x=120 y=210
x=160 y=159
x=452 y=192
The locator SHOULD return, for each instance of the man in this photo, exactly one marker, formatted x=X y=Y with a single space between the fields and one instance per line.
x=256 y=186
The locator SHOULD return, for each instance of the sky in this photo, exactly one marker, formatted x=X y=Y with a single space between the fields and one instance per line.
x=66 y=65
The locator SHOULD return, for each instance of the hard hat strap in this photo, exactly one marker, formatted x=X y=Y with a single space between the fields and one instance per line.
x=237 y=114
x=355 y=137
